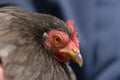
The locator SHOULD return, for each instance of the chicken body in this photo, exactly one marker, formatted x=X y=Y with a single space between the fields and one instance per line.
x=22 y=52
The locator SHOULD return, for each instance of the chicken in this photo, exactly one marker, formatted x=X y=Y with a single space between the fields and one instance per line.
x=37 y=46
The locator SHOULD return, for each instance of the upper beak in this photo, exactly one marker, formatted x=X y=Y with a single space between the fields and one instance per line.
x=72 y=52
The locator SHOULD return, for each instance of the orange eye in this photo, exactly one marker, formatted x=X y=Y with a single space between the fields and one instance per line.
x=57 y=39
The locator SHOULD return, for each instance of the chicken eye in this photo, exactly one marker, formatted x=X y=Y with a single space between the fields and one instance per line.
x=57 y=39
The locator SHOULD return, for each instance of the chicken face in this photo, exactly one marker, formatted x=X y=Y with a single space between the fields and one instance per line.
x=62 y=46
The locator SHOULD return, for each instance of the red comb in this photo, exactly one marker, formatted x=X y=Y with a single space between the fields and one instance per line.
x=70 y=24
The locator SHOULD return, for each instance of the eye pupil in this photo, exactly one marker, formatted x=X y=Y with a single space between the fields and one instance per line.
x=57 y=39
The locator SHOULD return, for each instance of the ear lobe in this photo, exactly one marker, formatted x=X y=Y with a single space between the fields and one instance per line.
x=45 y=40
x=45 y=36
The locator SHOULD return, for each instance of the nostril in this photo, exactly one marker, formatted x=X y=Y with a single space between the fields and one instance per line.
x=74 y=50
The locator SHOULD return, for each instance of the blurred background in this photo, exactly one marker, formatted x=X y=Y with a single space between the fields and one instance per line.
x=98 y=23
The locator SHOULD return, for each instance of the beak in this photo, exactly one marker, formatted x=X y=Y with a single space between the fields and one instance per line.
x=72 y=52
x=78 y=59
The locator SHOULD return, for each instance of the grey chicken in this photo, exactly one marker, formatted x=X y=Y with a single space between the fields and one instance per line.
x=36 y=46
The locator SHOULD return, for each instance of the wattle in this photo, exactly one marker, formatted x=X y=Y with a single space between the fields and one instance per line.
x=61 y=58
